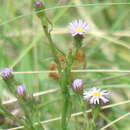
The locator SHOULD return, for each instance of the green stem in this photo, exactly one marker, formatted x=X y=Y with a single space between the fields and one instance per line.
x=64 y=82
x=66 y=98
x=53 y=48
x=65 y=110
x=86 y=122
x=95 y=112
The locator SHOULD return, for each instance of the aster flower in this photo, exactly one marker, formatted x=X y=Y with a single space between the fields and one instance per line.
x=77 y=85
x=96 y=96
x=78 y=27
x=6 y=73
x=21 y=90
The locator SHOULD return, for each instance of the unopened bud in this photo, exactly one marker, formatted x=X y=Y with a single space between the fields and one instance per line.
x=77 y=85
x=39 y=7
x=6 y=73
x=21 y=90
x=38 y=4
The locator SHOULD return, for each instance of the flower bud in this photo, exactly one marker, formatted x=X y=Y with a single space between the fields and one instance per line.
x=77 y=85
x=39 y=7
x=21 y=90
x=6 y=73
x=38 y=4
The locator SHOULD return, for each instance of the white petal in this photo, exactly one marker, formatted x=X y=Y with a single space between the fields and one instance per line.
x=105 y=100
x=86 y=95
x=96 y=101
x=91 y=101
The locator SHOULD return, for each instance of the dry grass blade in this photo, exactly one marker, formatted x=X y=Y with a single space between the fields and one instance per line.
x=113 y=122
x=35 y=95
x=118 y=42
x=78 y=71
x=29 y=32
x=77 y=114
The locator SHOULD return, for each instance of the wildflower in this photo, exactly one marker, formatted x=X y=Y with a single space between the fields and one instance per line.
x=77 y=85
x=78 y=27
x=6 y=73
x=21 y=90
x=95 y=96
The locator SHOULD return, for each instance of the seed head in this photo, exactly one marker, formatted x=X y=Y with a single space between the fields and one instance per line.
x=80 y=55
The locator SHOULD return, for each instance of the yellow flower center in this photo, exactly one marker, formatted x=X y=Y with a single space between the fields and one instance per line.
x=97 y=94
x=79 y=30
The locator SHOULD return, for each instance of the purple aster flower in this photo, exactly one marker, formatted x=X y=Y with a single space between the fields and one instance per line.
x=95 y=96
x=77 y=85
x=78 y=27
x=21 y=90
x=6 y=73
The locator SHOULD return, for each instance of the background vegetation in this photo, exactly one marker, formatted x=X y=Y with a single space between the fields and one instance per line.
x=24 y=48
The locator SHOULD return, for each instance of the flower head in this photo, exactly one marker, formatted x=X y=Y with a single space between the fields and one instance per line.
x=6 y=73
x=95 y=96
x=77 y=85
x=78 y=27
x=21 y=90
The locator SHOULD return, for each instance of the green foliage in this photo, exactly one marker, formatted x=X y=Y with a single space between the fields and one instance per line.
x=24 y=47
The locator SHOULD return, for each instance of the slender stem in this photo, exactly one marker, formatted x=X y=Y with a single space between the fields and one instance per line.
x=64 y=82
x=65 y=110
x=66 y=98
x=53 y=48
x=86 y=122
x=95 y=112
